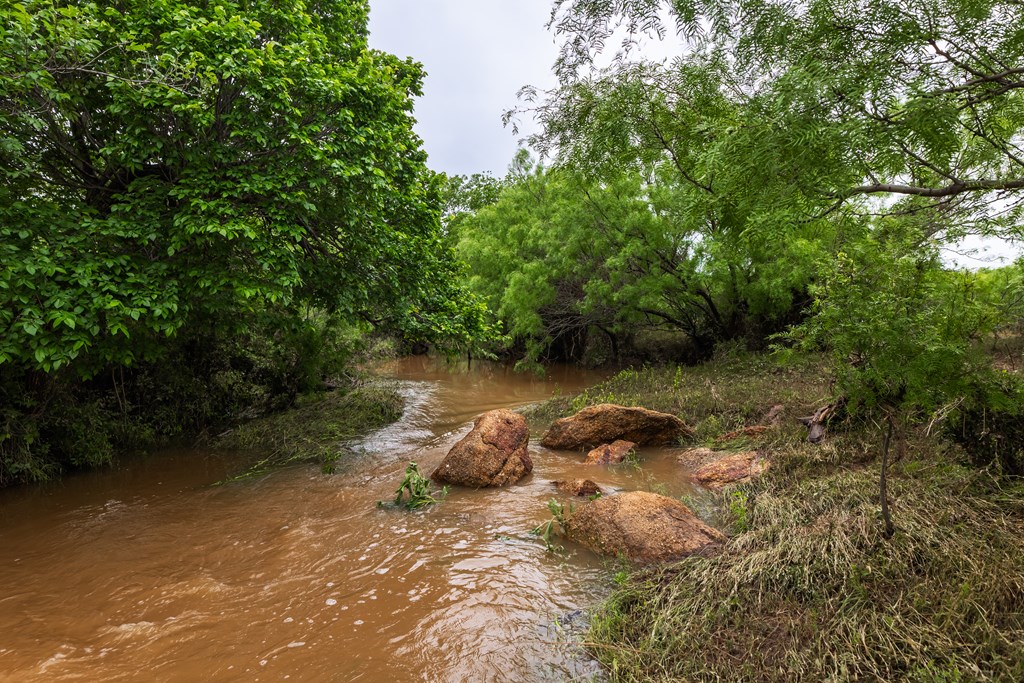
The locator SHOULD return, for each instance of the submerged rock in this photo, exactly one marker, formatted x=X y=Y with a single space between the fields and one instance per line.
x=643 y=527
x=610 y=454
x=494 y=453
x=735 y=468
x=607 y=422
x=577 y=487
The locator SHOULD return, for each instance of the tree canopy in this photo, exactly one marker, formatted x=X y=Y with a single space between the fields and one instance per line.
x=834 y=149
x=163 y=160
x=912 y=97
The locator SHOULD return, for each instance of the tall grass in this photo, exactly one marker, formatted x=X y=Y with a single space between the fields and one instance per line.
x=813 y=591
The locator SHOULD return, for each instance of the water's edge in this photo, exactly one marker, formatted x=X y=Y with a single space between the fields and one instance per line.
x=147 y=571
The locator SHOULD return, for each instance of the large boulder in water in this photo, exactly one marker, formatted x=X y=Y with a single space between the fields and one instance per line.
x=606 y=423
x=494 y=453
x=735 y=468
x=643 y=527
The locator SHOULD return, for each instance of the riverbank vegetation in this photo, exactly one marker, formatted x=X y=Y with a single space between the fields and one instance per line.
x=796 y=179
x=206 y=207
x=316 y=430
x=194 y=199
x=809 y=584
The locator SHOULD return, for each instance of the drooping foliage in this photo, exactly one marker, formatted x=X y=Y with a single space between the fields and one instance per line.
x=920 y=97
x=828 y=128
x=560 y=257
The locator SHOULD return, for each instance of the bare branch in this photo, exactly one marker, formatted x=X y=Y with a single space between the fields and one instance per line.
x=945 y=191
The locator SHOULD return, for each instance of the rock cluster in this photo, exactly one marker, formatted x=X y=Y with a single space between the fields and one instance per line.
x=642 y=527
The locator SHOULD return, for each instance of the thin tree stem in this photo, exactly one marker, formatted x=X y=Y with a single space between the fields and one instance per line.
x=882 y=489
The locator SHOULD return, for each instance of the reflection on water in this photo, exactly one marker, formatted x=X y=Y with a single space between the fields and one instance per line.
x=145 y=572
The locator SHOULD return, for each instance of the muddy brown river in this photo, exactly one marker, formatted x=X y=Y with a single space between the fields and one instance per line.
x=146 y=572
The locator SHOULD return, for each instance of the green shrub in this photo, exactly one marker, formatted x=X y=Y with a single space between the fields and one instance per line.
x=55 y=422
x=414 y=491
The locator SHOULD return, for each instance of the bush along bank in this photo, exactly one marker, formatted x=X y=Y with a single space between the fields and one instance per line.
x=200 y=384
x=809 y=586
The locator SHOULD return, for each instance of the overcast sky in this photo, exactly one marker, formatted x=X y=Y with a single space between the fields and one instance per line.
x=477 y=54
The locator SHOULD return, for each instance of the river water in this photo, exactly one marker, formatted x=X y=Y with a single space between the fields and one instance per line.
x=146 y=572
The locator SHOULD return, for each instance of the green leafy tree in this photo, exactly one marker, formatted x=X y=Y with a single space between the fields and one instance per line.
x=918 y=98
x=164 y=161
x=867 y=134
x=905 y=333
x=560 y=257
x=465 y=195
x=795 y=125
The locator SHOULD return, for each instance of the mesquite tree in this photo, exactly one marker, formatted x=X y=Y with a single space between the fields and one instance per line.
x=881 y=130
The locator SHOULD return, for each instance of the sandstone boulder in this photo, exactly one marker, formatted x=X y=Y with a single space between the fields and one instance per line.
x=606 y=423
x=643 y=527
x=578 y=487
x=494 y=453
x=610 y=453
x=734 y=468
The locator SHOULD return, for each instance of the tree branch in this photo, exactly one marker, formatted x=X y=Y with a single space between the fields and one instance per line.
x=944 y=191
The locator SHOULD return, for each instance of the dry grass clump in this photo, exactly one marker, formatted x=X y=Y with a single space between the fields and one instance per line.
x=316 y=430
x=813 y=591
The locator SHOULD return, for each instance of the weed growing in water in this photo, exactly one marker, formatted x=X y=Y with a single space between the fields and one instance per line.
x=652 y=485
x=414 y=491
x=547 y=530
x=632 y=459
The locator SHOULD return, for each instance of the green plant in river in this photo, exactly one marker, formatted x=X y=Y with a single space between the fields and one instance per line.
x=547 y=530
x=414 y=491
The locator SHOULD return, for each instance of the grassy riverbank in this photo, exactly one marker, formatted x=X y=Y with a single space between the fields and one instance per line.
x=317 y=428
x=808 y=587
